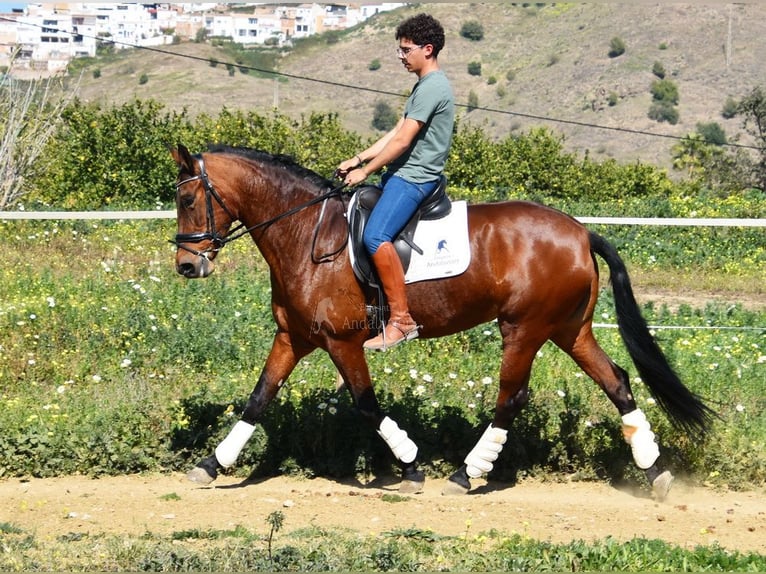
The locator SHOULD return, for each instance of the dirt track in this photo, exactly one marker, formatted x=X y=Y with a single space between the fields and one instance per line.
x=548 y=511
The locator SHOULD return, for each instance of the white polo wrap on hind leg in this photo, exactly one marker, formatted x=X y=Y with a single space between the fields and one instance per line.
x=638 y=434
x=397 y=440
x=486 y=451
x=227 y=452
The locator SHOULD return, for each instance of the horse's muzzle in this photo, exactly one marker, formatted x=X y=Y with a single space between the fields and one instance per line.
x=194 y=266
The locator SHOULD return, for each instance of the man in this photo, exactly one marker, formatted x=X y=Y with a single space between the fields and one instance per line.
x=414 y=153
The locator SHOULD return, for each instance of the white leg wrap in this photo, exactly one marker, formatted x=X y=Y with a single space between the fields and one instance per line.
x=638 y=434
x=486 y=451
x=398 y=441
x=227 y=452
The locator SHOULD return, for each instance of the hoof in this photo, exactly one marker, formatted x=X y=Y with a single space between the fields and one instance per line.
x=457 y=484
x=411 y=486
x=661 y=486
x=412 y=480
x=452 y=488
x=199 y=475
x=205 y=472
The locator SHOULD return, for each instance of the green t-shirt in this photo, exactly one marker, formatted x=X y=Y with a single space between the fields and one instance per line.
x=432 y=103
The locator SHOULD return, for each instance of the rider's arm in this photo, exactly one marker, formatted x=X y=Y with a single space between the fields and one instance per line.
x=382 y=152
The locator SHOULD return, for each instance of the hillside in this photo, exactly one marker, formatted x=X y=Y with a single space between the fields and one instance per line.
x=549 y=63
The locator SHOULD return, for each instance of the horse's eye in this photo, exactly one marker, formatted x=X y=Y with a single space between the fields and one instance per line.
x=187 y=201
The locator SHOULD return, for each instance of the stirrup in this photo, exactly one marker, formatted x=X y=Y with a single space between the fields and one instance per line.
x=380 y=342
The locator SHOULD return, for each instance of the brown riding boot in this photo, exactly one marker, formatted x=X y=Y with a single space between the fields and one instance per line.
x=400 y=327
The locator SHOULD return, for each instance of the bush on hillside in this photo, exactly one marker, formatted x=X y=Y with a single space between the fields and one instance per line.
x=616 y=47
x=384 y=117
x=472 y=30
x=474 y=68
x=665 y=91
x=663 y=112
x=729 y=109
x=712 y=132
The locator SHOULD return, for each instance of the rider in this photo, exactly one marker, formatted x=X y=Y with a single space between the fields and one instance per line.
x=414 y=153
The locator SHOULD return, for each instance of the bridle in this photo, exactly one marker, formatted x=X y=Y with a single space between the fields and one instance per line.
x=218 y=240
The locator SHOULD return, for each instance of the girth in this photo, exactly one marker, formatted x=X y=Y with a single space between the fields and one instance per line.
x=435 y=206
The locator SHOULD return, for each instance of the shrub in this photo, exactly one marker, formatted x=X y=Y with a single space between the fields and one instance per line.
x=374 y=65
x=473 y=101
x=383 y=116
x=663 y=112
x=612 y=99
x=729 y=109
x=616 y=47
x=665 y=91
x=472 y=30
x=474 y=68
x=97 y=73
x=712 y=132
x=658 y=70
x=143 y=79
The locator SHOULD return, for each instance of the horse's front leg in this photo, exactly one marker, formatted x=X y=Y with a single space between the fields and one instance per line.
x=515 y=370
x=352 y=366
x=280 y=363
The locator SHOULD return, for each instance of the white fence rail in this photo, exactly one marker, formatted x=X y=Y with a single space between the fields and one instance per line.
x=171 y=214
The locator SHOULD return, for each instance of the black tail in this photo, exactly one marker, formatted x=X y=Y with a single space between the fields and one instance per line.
x=685 y=409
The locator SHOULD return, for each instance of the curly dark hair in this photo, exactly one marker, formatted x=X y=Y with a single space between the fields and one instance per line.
x=422 y=29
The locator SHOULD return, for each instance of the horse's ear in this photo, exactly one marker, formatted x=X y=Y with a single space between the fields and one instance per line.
x=183 y=158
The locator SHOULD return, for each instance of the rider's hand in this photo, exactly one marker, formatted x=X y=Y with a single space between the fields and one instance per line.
x=355 y=177
x=348 y=165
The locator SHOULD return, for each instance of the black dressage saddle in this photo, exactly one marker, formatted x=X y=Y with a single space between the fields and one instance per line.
x=435 y=206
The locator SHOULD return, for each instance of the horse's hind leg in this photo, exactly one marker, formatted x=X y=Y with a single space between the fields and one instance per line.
x=279 y=364
x=613 y=379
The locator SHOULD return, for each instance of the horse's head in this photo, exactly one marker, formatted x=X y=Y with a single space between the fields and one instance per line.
x=203 y=218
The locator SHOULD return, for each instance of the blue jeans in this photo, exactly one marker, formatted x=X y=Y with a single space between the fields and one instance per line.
x=397 y=204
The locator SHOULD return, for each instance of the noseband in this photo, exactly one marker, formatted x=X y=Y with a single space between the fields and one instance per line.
x=218 y=240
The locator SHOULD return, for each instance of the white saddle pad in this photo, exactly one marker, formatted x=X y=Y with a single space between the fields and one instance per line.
x=445 y=245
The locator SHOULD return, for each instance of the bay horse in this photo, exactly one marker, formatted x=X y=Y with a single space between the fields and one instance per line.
x=533 y=269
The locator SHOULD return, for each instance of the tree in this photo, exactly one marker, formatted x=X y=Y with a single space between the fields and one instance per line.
x=752 y=109
x=29 y=116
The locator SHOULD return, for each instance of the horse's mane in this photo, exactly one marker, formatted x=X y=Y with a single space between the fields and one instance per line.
x=278 y=160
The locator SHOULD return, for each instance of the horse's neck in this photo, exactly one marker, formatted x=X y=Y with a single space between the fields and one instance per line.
x=288 y=240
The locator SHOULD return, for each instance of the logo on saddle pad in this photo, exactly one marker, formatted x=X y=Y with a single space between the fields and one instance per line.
x=433 y=245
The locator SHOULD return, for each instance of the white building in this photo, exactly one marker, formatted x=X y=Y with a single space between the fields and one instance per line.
x=49 y=35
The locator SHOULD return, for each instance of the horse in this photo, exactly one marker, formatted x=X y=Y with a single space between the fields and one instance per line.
x=533 y=270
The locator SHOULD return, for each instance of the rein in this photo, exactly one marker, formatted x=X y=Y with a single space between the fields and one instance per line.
x=218 y=241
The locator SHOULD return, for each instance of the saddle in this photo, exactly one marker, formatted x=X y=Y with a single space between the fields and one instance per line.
x=435 y=206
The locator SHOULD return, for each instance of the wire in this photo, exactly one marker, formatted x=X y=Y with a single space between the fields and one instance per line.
x=377 y=91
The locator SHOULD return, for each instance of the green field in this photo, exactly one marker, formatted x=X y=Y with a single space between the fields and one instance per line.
x=110 y=363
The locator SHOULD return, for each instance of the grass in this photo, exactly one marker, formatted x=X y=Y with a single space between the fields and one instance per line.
x=243 y=549
x=110 y=364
